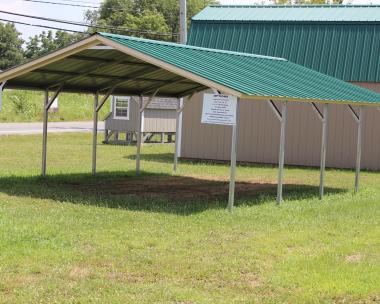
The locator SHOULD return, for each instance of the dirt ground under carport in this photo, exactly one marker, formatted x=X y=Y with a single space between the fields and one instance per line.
x=171 y=187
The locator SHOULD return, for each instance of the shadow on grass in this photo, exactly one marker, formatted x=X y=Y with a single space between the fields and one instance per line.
x=150 y=192
x=154 y=157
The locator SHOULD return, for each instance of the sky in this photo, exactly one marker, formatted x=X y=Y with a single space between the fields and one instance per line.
x=77 y=13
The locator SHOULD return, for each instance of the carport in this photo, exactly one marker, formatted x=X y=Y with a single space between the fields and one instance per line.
x=105 y=64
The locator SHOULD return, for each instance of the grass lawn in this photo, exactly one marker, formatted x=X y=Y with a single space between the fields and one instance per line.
x=73 y=238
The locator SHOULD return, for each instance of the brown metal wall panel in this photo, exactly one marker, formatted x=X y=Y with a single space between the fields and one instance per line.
x=259 y=131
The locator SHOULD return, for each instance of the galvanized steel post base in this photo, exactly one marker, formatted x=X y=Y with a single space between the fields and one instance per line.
x=231 y=193
x=281 y=153
x=95 y=133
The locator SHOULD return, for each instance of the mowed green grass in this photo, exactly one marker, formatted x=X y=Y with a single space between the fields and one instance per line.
x=59 y=244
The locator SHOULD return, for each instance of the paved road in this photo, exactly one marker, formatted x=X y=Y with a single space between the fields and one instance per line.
x=27 y=128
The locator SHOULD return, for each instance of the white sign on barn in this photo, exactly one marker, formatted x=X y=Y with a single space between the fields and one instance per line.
x=219 y=109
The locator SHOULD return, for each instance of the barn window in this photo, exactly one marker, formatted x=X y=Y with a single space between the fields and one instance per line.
x=121 y=107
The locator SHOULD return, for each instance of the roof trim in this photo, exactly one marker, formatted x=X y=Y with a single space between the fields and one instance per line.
x=193 y=47
x=309 y=100
x=297 y=5
x=49 y=58
x=291 y=13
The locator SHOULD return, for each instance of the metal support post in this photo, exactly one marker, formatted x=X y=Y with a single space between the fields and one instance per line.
x=323 y=150
x=359 y=120
x=139 y=135
x=97 y=107
x=358 y=148
x=177 y=134
x=95 y=133
x=281 y=153
x=231 y=193
x=44 y=132
x=47 y=104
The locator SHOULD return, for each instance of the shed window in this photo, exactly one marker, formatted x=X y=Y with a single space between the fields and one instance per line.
x=121 y=107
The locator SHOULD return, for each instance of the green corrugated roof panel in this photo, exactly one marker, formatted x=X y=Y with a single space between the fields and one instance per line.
x=250 y=74
x=315 y=13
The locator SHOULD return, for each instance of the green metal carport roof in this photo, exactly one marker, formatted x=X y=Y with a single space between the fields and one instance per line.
x=141 y=66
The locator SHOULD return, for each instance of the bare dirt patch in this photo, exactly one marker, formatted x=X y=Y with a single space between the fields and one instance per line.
x=78 y=272
x=354 y=258
x=171 y=187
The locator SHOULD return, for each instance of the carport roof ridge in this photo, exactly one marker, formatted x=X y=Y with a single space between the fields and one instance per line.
x=177 y=45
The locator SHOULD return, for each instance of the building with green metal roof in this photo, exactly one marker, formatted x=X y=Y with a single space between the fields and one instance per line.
x=337 y=40
x=342 y=41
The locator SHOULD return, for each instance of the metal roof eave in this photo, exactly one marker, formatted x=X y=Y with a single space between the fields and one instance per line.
x=49 y=58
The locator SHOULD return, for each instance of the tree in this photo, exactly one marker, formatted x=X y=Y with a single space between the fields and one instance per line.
x=147 y=15
x=47 y=42
x=10 y=46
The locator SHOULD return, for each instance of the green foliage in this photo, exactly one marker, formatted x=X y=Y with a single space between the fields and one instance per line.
x=10 y=46
x=26 y=106
x=47 y=42
x=22 y=106
x=149 y=15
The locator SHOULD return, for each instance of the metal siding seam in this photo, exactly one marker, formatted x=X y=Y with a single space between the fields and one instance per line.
x=363 y=73
x=371 y=76
x=377 y=64
x=339 y=66
x=354 y=55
